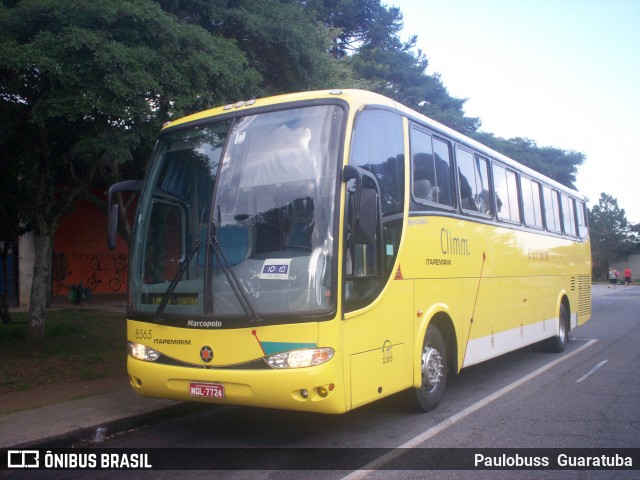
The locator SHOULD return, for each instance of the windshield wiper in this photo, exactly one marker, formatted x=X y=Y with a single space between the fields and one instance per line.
x=234 y=283
x=184 y=261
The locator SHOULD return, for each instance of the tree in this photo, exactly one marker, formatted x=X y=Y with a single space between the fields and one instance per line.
x=612 y=238
x=279 y=38
x=367 y=39
x=82 y=84
x=12 y=219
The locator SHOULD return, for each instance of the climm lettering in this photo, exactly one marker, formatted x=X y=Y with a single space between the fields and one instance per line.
x=452 y=245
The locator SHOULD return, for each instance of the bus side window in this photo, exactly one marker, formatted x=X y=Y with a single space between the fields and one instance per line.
x=531 y=203
x=506 y=189
x=568 y=215
x=466 y=180
x=431 y=169
x=442 y=157
x=473 y=176
x=582 y=219
x=551 y=209
x=377 y=146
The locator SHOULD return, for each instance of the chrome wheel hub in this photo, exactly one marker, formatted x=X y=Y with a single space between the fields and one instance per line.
x=432 y=368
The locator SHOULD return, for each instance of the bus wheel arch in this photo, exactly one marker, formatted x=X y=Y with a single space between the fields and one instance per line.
x=437 y=357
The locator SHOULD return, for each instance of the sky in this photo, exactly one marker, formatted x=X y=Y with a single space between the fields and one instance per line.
x=564 y=73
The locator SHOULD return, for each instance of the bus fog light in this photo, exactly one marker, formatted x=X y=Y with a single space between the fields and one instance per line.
x=307 y=357
x=323 y=391
x=142 y=352
x=304 y=393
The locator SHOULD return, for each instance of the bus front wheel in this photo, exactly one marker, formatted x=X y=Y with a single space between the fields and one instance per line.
x=433 y=369
x=558 y=343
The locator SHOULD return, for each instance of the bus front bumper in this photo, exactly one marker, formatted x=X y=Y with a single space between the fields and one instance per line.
x=314 y=389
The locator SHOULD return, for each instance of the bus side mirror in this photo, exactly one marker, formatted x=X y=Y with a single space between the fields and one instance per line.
x=112 y=226
x=365 y=210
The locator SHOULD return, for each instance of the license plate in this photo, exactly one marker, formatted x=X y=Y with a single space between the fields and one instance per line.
x=209 y=390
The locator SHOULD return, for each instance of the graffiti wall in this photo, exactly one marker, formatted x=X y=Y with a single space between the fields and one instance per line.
x=81 y=256
x=100 y=273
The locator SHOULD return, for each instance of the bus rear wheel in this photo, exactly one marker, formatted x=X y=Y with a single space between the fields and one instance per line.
x=433 y=369
x=558 y=343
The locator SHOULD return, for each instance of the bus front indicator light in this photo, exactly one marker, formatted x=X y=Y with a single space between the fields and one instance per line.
x=307 y=357
x=142 y=352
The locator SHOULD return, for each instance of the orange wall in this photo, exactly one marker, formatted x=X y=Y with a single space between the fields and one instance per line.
x=81 y=255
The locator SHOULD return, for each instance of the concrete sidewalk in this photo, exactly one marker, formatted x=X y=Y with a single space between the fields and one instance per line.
x=79 y=420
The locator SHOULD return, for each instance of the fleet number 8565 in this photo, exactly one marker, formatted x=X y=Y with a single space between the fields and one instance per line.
x=143 y=334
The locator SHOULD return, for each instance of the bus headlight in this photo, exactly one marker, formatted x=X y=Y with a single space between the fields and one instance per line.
x=142 y=352
x=307 y=357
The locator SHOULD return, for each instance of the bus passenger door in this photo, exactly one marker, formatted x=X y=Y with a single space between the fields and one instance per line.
x=377 y=325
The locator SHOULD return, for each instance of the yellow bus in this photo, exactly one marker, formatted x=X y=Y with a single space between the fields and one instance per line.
x=318 y=251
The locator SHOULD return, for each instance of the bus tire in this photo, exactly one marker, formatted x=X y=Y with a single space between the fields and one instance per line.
x=433 y=369
x=558 y=343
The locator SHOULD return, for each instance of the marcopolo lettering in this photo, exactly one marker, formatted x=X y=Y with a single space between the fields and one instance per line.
x=204 y=323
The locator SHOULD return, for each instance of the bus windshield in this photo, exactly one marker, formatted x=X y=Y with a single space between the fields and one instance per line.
x=237 y=218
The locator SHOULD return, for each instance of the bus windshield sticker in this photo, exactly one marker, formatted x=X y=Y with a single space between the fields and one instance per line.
x=240 y=138
x=275 y=269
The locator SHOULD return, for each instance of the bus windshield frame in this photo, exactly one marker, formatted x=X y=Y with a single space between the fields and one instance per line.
x=238 y=219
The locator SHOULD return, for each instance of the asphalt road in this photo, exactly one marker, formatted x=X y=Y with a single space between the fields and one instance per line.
x=586 y=397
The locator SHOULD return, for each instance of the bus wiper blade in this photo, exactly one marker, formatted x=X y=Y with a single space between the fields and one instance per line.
x=184 y=261
x=233 y=280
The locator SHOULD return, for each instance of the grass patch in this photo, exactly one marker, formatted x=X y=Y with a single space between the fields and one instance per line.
x=79 y=345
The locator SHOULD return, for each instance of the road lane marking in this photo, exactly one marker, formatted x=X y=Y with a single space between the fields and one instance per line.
x=427 y=434
x=593 y=370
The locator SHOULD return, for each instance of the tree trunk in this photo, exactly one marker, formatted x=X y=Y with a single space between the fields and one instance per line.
x=40 y=286
x=5 y=314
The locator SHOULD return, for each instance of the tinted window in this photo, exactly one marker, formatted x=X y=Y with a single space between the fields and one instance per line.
x=506 y=194
x=551 y=209
x=568 y=215
x=473 y=176
x=378 y=147
x=582 y=220
x=531 y=191
x=431 y=162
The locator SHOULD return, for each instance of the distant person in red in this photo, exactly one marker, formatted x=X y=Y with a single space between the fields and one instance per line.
x=627 y=276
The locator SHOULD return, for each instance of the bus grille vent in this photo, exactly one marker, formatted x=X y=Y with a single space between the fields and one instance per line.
x=584 y=296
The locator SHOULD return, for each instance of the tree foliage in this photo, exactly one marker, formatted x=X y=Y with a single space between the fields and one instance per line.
x=612 y=237
x=279 y=39
x=367 y=38
x=83 y=84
